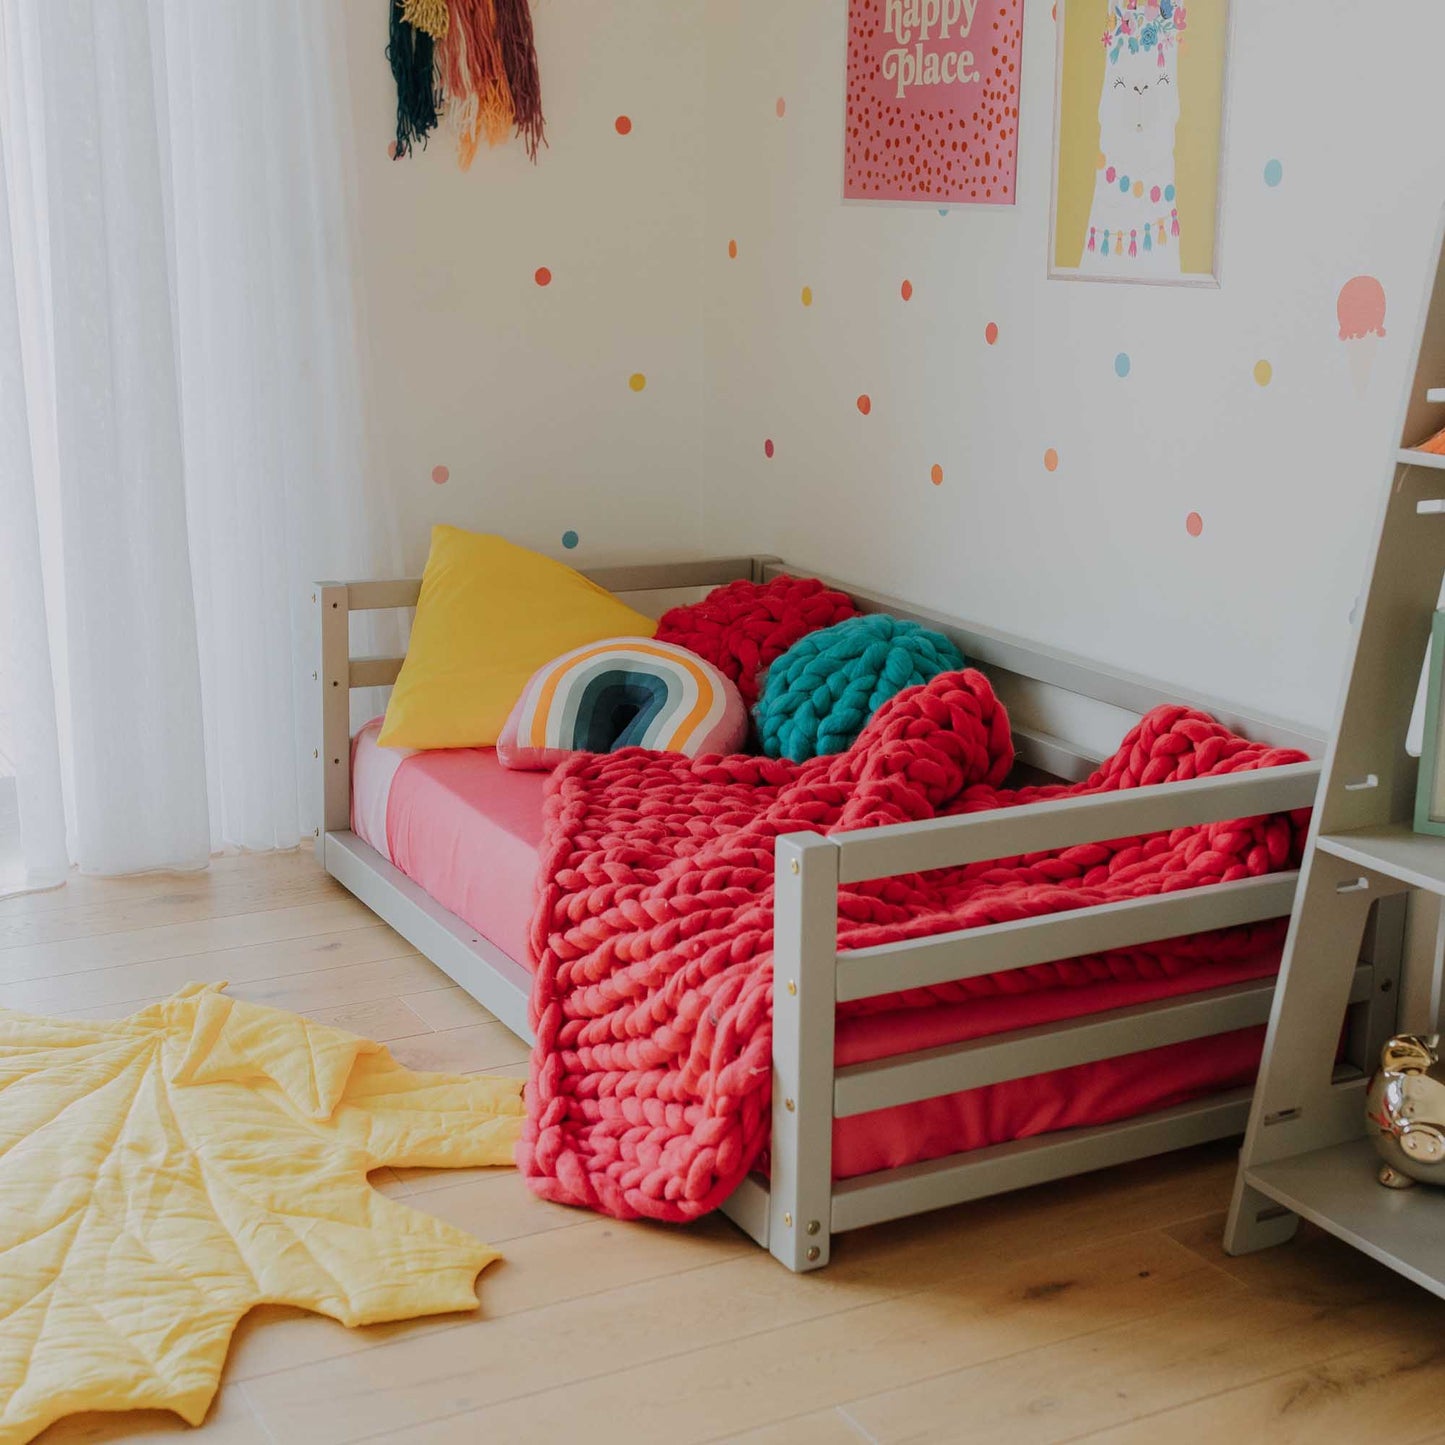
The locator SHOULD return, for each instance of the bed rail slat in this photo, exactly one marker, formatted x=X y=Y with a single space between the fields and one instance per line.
x=1066 y=822
x=929 y=1073
x=997 y=947
x=897 y=1193
x=374 y=671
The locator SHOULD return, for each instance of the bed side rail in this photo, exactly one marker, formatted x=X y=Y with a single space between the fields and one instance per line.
x=811 y=975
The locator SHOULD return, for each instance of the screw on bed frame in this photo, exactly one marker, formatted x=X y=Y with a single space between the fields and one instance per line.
x=789 y=1105
x=813 y=1253
x=813 y=1226
x=793 y=866
x=787 y=1221
x=793 y=987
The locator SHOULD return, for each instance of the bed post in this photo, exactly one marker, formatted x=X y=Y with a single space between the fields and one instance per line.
x=805 y=999
x=335 y=684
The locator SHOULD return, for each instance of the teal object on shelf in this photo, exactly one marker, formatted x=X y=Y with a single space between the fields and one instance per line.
x=819 y=695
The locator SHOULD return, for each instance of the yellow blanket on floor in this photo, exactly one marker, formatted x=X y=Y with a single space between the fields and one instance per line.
x=161 y=1175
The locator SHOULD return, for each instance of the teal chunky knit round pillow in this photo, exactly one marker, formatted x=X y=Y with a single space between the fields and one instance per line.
x=818 y=696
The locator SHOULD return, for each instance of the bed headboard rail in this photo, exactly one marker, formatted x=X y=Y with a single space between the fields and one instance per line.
x=1065 y=708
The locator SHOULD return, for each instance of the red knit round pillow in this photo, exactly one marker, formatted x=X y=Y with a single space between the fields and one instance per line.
x=744 y=626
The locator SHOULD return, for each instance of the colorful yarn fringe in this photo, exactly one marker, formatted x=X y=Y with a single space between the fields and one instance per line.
x=470 y=66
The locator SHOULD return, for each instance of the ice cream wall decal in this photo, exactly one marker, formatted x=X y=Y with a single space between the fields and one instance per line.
x=1361 y=311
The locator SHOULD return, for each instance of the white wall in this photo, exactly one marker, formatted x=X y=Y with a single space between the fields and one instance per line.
x=1095 y=556
x=521 y=391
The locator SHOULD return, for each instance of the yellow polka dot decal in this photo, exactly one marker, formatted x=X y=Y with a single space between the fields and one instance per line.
x=637 y=381
x=1263 y=373
x=807 y=297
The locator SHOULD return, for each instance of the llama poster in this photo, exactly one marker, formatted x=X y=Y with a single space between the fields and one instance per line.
x=1138 y=140
x=933 y=101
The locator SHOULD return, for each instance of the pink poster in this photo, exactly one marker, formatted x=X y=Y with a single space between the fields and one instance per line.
x=933 y=101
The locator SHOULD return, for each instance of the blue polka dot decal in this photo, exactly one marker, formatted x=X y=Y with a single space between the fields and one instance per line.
x=1122 y=365
x=1273 y=173
x=570 y=539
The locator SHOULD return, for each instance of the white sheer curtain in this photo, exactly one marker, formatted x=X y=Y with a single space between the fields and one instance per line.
x=184 y=448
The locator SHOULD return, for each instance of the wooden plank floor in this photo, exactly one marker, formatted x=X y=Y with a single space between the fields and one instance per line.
x=1098 y=1308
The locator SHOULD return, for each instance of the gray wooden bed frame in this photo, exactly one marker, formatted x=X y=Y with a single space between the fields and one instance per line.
x=1067 y=713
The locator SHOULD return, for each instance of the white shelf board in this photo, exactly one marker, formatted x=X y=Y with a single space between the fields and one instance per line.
x=1414 y=457
x=1414 y=858
x=1336 y=1189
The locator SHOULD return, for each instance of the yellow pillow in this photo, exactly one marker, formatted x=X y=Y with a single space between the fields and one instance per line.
x=490 y=614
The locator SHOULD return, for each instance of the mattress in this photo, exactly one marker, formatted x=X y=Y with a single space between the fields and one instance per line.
x=469 y=832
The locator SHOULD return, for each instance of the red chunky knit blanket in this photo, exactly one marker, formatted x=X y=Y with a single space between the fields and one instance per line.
x=652 y=1003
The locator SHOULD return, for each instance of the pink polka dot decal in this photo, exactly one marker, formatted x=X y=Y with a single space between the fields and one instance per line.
x=391 y=149
x=906 y=290
x=990 y=332
x=781 y=107
x=542 y=276
x=1194 y=524
x=440 y=474
x=932 y=108
x=623 y=125
x=865 y=403
x=768 y=448
x=1051 y=460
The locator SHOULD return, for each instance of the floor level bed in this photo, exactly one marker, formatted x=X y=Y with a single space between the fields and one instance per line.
x=886 y=1115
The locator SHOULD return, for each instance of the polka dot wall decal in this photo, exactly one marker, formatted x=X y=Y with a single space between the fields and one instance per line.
x=440 y=474
x=1051 y=460
x=990 y=332
x=781 y=107
x=943 y=210
x=1263 y=373
x=1122 y=365
x=732 y=250
x=623 y=125
x=936 y=475
x=637 y=381
x=906 y=290
x=1194 y=524
x=768 y=448
x=1273 y=173
x=807 y=296
x=865 y=403
x=570 y=539
x=391 y=149
x=543 y=276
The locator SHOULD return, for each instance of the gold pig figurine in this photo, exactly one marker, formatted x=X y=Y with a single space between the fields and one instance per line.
x=1405 y=1111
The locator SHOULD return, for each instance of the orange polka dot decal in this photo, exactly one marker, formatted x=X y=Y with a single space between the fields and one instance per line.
x=865 y=403
x=1051 y=460
x=936 y=475
x=933 y=101
x=623 y=125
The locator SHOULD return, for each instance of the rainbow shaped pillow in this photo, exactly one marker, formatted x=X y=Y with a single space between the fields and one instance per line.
x=621 y=693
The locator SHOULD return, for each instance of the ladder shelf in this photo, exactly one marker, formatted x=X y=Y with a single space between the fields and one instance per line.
x=1306 y=1154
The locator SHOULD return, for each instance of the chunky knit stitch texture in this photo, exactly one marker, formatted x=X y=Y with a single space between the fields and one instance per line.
x=818 y=696
x=744 y=626
x=652 y=1002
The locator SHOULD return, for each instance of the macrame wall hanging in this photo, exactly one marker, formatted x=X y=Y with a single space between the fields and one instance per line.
x=468 y=67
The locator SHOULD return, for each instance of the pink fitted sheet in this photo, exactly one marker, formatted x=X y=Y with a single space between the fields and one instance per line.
x=469 y=832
